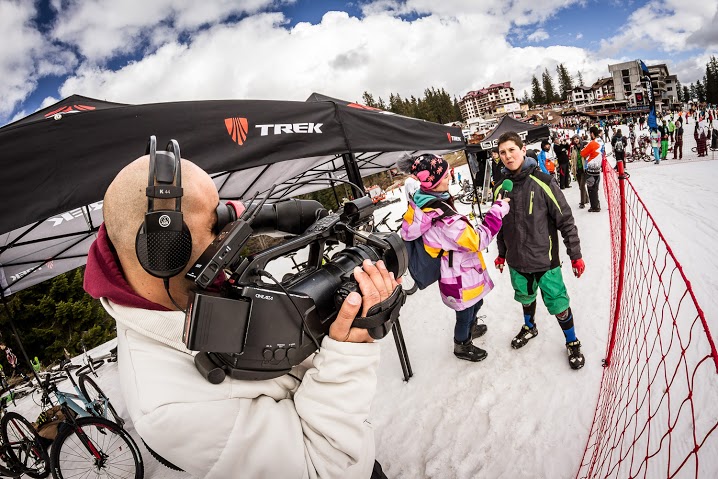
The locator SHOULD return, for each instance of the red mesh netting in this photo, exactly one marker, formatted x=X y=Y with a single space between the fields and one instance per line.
x=657 y=409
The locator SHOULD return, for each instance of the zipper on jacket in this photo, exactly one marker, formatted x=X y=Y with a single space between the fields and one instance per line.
x=531 y=204
x=550 y=247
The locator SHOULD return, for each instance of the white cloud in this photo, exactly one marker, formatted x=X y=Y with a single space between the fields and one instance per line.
x=342 y=56
x=519 y=12
x=103 y=28
x=25 y=55
x=538 y=36
x=579 y=36
x=667 y=25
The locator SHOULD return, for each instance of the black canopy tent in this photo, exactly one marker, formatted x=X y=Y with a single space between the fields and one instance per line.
x=58 y=162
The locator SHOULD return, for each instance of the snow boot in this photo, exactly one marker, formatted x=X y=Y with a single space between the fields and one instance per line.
x=478 y=330
x=575 y=358
x=524 y=336
x=469 y=352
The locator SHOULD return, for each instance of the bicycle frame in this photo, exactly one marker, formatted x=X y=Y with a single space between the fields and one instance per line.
x=70 y=400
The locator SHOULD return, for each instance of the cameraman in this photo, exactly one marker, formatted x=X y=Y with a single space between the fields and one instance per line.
x=316 y=426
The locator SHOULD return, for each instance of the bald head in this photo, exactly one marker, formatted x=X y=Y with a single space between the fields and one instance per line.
x=125 y=205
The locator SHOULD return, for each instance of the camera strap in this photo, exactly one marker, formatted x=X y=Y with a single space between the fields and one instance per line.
x=381 y=317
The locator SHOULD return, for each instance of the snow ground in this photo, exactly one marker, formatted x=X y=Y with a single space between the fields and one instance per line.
x=519 y=413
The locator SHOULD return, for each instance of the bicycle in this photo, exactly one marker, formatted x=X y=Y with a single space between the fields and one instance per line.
x=92 y=364
x=642 y=152
x=21 y=448
x=87 y=438
x=466 y=195
x=407 y=283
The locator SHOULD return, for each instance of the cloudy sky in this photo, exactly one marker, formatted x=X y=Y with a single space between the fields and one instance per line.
x=144 y=51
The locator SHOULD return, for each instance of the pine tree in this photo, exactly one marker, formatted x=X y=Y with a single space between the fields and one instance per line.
x=368 y=99
x=537 y=93
x=711 y=81
x=693 y=92
x=701 y=90
x=686 y=94
x=579 y=78
x=396 y=105
x=54 y=315
x=548 y=88
x=527 y=99
x=565 y=82
x=679 y=91
x=457 y=110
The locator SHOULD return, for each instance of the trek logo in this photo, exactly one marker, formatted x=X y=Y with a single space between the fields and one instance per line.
x=72 y=214
x=487 y=145
x=281 y=128
x=57 y=114
x=237 y=129
x=22 y=274
x=453 y=138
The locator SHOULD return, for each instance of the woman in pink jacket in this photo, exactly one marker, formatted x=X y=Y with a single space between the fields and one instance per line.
x=464 y=280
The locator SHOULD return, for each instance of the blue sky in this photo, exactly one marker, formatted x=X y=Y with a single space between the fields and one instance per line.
x=286 y=49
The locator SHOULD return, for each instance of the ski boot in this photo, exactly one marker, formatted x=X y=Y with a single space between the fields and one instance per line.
x=524 y=336
x=575 y=358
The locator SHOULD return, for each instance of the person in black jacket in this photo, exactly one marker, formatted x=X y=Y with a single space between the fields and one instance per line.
x=619 y=143
x=497 y=175
x=528 y=243
x=560 y=148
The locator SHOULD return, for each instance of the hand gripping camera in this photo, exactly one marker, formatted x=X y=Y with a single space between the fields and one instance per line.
x=256 y=327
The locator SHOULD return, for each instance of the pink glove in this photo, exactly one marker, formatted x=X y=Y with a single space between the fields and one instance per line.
x=499 y=263
x=578 y=267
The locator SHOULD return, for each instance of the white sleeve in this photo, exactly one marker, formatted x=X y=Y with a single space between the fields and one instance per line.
x=333 y=404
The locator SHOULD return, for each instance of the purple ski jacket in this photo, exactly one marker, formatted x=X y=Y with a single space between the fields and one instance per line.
x=466 y=281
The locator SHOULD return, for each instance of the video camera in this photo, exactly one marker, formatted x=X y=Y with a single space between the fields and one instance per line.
x=252 y=329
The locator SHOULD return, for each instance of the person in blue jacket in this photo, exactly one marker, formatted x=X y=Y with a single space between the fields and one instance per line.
x=545 y=146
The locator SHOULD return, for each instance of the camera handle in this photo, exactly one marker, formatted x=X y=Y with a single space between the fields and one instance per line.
x=381 y=317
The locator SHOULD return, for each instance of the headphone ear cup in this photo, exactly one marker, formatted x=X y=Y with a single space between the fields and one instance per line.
x=163 y=251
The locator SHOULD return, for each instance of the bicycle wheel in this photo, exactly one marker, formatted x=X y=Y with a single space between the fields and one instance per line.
x=408 y=284
x=94 y=394
x=466 y=198
x=24 y=446
x=90 y=367
x=95 y=447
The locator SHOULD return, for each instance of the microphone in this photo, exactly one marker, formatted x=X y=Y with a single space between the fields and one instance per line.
x=506 y=187
x=290 y=216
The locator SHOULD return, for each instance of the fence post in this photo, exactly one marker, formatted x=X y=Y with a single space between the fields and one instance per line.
x=621 y=260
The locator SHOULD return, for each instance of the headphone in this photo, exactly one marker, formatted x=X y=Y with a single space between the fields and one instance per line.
x=164 y=243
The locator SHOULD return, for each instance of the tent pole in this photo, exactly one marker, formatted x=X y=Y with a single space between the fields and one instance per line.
x=17 y=336
x=353 y=173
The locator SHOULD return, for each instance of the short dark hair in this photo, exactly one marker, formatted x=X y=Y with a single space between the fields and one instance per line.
x=594 y=130
x=511 y=136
